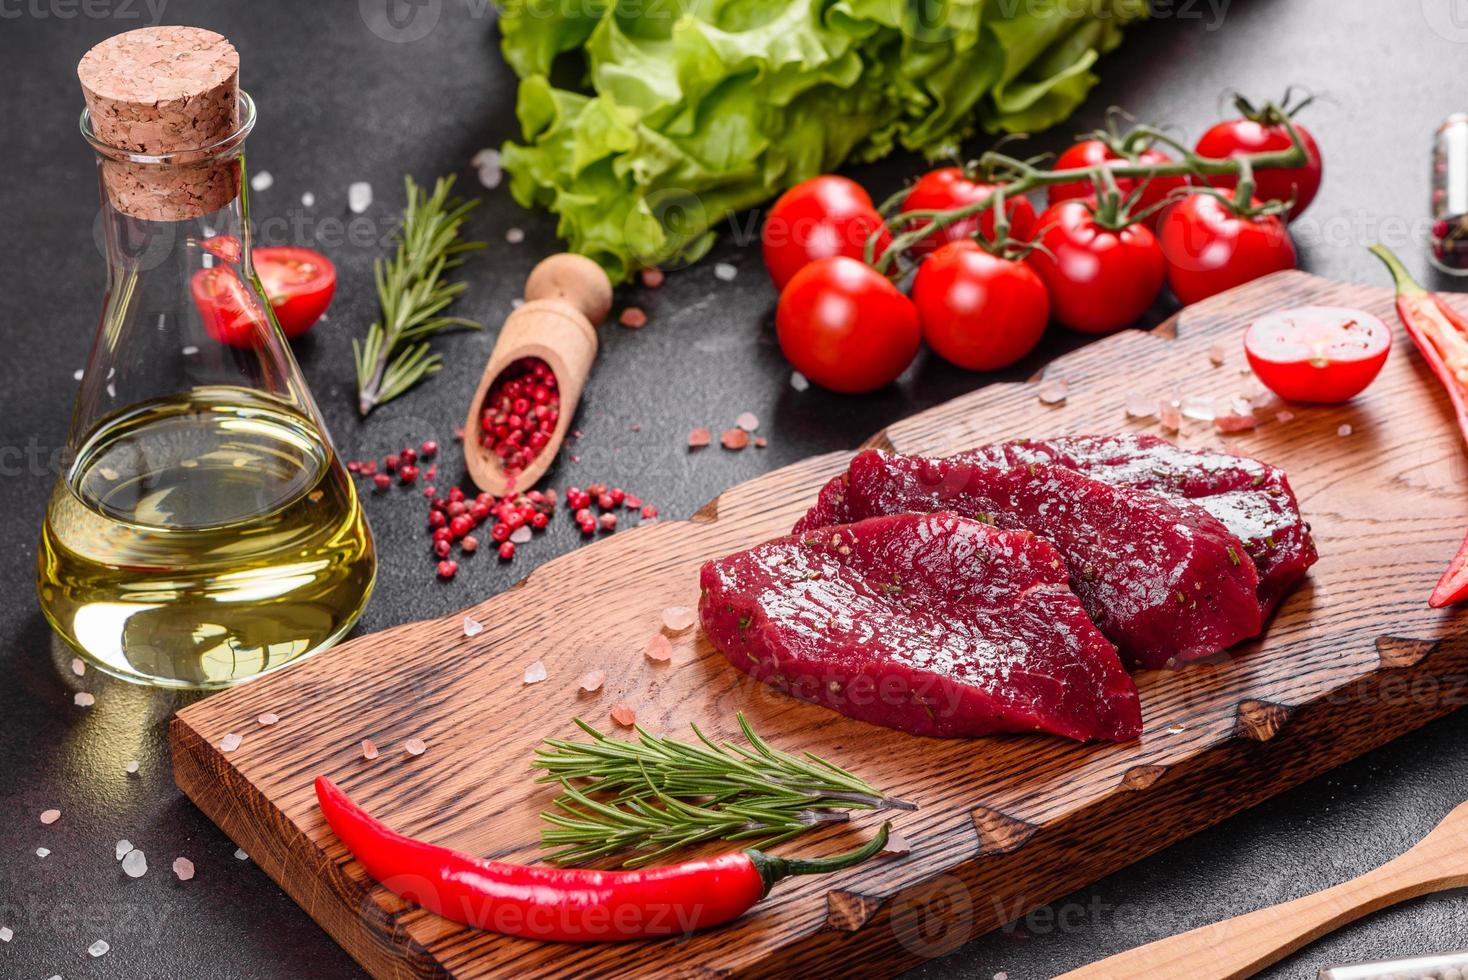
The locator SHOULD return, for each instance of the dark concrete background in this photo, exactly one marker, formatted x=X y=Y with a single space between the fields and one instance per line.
x=338 y=103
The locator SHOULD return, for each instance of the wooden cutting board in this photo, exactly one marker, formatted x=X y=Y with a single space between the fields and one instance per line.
x=1353 y=659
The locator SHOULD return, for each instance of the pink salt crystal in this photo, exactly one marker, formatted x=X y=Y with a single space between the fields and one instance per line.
x=50 y=816
x=230 y=742
x=369 y=749
x=535 y=673
x=1200 y=407
x=521 y=534
x=472 y=627
x=184 y=868
x=1215 y=355
x=1170 y=417
x=1344 y=430
x=1235 y=423
x=679 y=618
x=659 y=649
x=592 y=681
x=83 y=700
x=78 y=666
x=897 y=845
x=1054 y=392
x=1139 y=406
x=268 y=718
x=1285 y=416
x=415 y=746
x=623 y=714
x=748 y=421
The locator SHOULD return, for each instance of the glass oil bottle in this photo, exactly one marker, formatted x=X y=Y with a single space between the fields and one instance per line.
x=205 y=531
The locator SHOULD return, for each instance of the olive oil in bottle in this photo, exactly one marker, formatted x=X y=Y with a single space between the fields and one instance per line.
x=202 y=540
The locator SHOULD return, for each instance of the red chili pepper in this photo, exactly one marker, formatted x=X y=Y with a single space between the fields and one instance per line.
x=1441 y=334
x=565 y=904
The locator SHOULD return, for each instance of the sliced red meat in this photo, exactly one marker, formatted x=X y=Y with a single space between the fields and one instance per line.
x=1161 y=577
x=934 y=624
x=1250 y=497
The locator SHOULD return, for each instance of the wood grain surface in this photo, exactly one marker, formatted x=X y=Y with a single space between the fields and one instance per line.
x=1352 y=659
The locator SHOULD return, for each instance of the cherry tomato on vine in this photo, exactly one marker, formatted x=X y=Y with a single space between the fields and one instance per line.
x=1095 y=152
x=816 y=219
x=977 y=310
x=299 y=284
x=1235 y=137
x=1099 y=280
x=228 y=308
x=1209 y=248
x=845 y=326
x=1326 y=354
x=949 y=187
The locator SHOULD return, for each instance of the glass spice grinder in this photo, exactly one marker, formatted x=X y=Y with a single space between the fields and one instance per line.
x=205 y=531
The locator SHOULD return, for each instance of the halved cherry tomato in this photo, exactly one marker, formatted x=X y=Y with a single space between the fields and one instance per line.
x=816 y=219
x=1325 y=354
x=230 y=312
x=1237 y=137
x=845 y=326
x=1093 y=153
x=1099 y=280
x=949 y=187
x=1210 y=248
x=299 y=284
x=977 y=310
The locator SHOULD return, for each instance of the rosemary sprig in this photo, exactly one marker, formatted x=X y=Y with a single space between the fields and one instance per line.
x=657 y=794
x=413 y=294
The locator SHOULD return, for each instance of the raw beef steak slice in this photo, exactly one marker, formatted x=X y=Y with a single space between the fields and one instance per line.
x=1250 y=497
x=1162 y=578
x=934 y=624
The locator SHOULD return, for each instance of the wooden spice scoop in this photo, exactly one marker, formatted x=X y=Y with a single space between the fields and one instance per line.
x=566 y=298
x=1242 y=946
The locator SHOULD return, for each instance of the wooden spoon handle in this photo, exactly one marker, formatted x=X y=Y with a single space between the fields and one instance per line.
x=1242 y=946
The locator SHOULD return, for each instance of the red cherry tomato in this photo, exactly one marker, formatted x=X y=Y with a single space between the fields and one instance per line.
x=299 y=284
x=948 y=188
x=1325 y=354
x=228 y=308
x=977 y=310
x=816 y=219
x=845 y=326
x=1092 y=153
x=1099 y=280
x=1235 y=137
x=1209 y=248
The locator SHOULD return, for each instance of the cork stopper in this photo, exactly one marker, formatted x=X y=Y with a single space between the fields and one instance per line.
x=164 y=91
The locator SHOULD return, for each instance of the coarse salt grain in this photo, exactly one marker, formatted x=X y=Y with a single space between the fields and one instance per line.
x=1054 y=392
x=50 y=816
x=83 y=699
x=122 y=848
x=522 y=534
x=1285 y=416
x=308 y=200
x=268 y=718
x=78 y=666
x=1344 y=430
x=472 y=627
x=699 y=438
x=78 y=374
x=535 y=673
x=359 y=196
x=799 y=381
x=659 y=649
x=678 y=618
x=623 y=714
x=135 y=863
x=1176 y=730
x=592 y=681
x=369 y=749
x=262 y=181
x=1139 y=406
x=132 y=766
x=240 y=855
x=725 y=271
x=415 y=746
x=188 y=351
x=230 y=742
x=1200 y=407
x=514 y=235
x=5 y=934
x=98 y=948
x=42 y=852
x=184 y=868
x=487 y=163
x=748 y=421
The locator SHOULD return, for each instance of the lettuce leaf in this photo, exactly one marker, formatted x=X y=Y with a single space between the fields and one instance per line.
x=645 y=122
